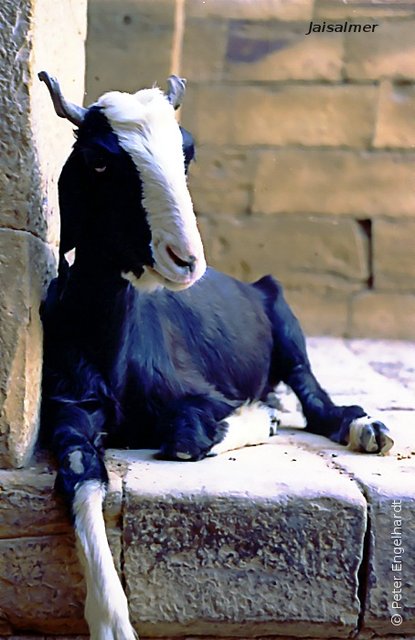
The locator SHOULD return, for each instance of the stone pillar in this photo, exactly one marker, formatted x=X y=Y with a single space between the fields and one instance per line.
x=34 y=35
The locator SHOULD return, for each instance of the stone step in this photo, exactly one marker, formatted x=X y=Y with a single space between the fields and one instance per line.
x=295 y=538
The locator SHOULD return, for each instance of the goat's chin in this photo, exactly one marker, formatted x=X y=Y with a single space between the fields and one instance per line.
x=151 y=280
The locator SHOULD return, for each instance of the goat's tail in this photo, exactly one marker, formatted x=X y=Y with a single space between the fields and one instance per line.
x=106 y=607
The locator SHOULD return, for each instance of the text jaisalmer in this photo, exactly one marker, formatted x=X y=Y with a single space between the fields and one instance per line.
x=340 y=27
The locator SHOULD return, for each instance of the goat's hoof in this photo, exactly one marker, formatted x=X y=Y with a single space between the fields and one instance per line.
x=369 y=436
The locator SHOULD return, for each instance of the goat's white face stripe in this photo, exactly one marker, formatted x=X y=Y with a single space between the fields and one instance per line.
x=147 y=129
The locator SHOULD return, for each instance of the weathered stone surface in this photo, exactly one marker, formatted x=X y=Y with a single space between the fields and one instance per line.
x=313 y=252
x=268 y=51
x=388 y=482
x=354 y=379
x=393 y=359
x=130 y=45
x=394 y=254
x=42 y=583
x=23 y=270
x=388 y=52
x=338 y=9
x=320 y=312
x=359 y=184
x=221 y=179
x=250 y=9
x=381 y=315
x=34 y=142
x=396 y=116
x=260 y=550
x=309 y=116
x=204 y=49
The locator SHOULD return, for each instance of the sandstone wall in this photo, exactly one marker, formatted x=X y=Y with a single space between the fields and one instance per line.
x=34 y=35
x=306 y=161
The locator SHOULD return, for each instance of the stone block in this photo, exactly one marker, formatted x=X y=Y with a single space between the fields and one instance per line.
x=340 y=10
x=238 y=545
x=43 y=587
x=250 y=9
x=301 y=252
x=203 y=52
x=42 y=582
x=395 y=126
x=24 y=269
x=361 y=375
x=388 y=484
x=130 y=46
x=274 y=51
x=388 y=52
x=313 y=115
x=221 y=179
x=382 y=315
x=394 y=254
x=360 y=184
x=320 y=312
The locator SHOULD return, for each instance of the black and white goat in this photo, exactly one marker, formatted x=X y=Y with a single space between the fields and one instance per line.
x=144 y=346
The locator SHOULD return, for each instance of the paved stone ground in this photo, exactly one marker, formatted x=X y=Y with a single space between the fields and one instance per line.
x=295 y=538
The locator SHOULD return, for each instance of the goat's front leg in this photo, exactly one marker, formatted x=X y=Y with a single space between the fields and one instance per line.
x=348 y=425
x=82 y=479
x=199 y=426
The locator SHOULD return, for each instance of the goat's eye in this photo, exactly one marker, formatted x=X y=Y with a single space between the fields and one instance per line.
x=100 y=169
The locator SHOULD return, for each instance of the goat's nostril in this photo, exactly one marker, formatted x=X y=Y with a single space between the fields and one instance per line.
x=189 y=263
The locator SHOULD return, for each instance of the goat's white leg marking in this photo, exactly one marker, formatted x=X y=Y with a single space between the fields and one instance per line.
x=249 y=425
x=106 y=607
x=369 y=435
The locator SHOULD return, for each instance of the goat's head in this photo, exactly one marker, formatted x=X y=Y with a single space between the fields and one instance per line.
x=123 y=191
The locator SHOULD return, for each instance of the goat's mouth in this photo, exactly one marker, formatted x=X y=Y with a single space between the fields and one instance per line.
x=169 y=268
x=177 y=268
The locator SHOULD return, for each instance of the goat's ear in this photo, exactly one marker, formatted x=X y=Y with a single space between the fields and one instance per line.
x=72 y=203
x=188 y=147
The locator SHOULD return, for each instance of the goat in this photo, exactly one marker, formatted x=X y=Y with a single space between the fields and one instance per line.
x=146 y=347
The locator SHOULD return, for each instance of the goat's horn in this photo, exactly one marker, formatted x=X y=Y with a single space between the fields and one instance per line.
x=64 y=109
x=175 y=90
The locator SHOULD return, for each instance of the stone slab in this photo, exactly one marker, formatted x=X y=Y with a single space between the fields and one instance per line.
x=388 y=483
x=42 y=585
x=261 y=548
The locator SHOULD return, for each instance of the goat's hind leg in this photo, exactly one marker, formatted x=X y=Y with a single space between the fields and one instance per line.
x=82 y=479
x=347 y=425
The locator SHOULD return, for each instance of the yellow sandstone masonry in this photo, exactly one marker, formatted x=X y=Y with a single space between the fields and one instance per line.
x=389 y=52
x=337 y=182
x=380 y=315
x=326 y=255
x=395 y=126
x=34 y=36
x=282 y=115
x=132 y=45
x=250 y=9
x=277 y=51
x=339 y=9
x=221 y=180
x=394 y=254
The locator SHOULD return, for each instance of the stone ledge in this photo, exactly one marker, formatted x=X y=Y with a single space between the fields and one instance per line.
x=290 y=539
